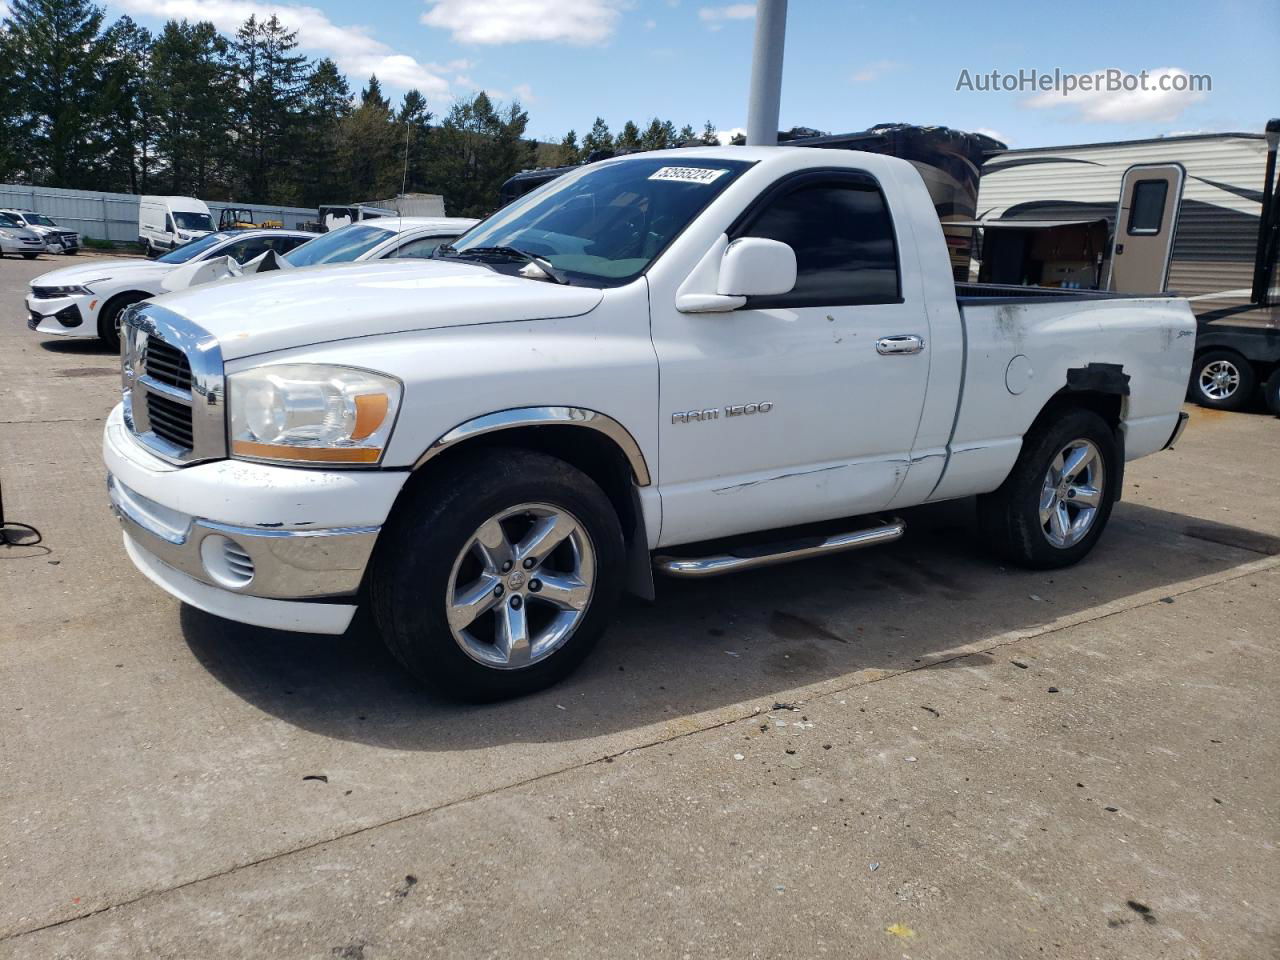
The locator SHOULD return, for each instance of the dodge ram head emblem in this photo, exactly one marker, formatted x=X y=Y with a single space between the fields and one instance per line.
x=715 y=413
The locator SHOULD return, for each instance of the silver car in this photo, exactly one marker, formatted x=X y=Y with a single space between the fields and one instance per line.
x=56 y=238
x=18 y=240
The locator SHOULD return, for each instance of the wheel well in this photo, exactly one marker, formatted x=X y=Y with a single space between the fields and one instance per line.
x=589 y=450
x=129 y=296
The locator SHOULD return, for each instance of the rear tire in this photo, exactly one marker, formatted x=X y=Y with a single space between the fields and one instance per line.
x=1222 y=380
x=1271 y=392
x=109 y=318
x=461 y=575
x=1055 y=503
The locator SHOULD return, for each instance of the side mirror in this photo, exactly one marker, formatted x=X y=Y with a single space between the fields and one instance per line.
x=755 y=267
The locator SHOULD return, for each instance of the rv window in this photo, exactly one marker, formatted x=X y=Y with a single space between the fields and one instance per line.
x=1146 y=213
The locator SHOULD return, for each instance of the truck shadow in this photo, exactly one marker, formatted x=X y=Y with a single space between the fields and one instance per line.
x=741 y=639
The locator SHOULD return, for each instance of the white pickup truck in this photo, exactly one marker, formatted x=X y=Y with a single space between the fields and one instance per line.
x=760 y=347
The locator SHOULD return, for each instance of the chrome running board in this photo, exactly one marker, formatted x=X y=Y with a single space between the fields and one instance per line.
x=768 y=554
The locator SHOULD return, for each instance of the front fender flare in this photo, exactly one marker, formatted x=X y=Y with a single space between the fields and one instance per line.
x=544 y=417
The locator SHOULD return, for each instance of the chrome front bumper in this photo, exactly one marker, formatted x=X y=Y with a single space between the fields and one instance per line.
x=281 y=564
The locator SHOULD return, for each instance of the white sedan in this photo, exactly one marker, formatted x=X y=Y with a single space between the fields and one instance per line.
x=382 y=239
x=87 y=300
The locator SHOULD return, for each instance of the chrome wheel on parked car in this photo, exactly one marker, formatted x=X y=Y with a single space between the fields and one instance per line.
x=1071 y=494
x=520 y=586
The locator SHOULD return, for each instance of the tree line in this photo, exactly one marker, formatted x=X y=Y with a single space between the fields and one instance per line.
x=187 y=110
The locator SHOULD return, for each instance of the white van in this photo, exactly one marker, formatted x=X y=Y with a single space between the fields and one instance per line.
x=168 y=222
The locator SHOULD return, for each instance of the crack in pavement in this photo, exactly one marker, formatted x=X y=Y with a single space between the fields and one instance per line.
x=1093 y=615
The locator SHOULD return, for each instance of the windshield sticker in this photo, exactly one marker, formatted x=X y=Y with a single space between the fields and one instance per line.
x=688 y=174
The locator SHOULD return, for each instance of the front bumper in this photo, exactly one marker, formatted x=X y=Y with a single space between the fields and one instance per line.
x=273 y=546
x=15 y=247
x=62 y=316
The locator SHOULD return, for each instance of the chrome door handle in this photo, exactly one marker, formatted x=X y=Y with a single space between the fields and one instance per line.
x=906 y=343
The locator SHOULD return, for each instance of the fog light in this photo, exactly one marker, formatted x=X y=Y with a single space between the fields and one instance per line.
x=69 y=316
x=227 y=563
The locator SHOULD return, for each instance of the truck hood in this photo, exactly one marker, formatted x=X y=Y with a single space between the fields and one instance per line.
x=131 y=271
x=293 y=308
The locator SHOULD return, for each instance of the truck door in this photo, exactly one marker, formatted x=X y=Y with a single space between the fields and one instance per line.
x=802 y=406
x=1146 y=221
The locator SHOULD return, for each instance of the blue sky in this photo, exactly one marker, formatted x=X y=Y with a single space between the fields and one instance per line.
x=848 y=65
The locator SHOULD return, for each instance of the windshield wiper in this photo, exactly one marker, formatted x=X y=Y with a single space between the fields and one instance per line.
x=506 y=253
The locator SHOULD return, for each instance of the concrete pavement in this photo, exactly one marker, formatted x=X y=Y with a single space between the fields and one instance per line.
x=172 y=785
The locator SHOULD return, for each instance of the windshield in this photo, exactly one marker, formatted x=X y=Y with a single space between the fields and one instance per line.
x=40 y=219
x=7 y=221
x=338 y=246
x=607 y=223
x=192 y=221
x=189 y=251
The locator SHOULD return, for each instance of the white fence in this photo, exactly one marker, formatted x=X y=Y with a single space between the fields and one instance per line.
x=114 y=216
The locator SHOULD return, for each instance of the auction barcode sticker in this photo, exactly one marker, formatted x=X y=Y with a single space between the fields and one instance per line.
x=688 y=174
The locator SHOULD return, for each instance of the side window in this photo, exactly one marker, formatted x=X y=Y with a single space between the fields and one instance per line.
x=168 y=224
x=242 y=251
x=843 y=238
x=1147 y=210
x=419 y=249
x=284 y=244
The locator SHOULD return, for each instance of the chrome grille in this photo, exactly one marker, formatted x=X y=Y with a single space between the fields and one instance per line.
x=173 y=385
x=170 y=420
x=167 y=364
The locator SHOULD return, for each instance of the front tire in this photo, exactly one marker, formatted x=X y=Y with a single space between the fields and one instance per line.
x=1055 y=503
x=1222 y=380
x=109 y=319
x=496 y=579
x=30 y=256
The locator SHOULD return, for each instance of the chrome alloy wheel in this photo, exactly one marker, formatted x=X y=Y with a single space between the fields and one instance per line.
x=520 y=586
x=1219 y=379
x=1072 y=492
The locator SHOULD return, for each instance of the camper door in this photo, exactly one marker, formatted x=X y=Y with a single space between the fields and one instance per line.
x=1146 y=220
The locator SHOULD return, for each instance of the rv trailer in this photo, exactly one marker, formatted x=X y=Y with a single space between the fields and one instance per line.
x=1193 y=215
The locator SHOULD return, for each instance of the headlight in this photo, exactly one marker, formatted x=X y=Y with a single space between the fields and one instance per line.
x=7 y=235
x=311 y=413
x=73 y=290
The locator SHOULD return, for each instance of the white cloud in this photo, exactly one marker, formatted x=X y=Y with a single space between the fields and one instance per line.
x=715 y=17
x=524 y=93
x=726 y=136
x=4 y=9
x=650 y=24
x=995 y=135
x=581 y=22
x=1125 y=106
x=357 y=53
x=874 y=71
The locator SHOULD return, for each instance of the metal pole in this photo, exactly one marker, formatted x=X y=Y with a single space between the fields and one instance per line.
x=766 y=73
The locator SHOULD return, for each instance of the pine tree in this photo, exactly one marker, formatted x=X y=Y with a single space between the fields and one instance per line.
x=597 y=139
x=125 y=106
x=687 y=134
x=271 y=80
x=192 y=83
x=326 y=102
x=414 y=120
x=368 y=147
x=709 y=134
x=568 y=149
x=55 y=59
x=629 y=138
x=655 y=135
